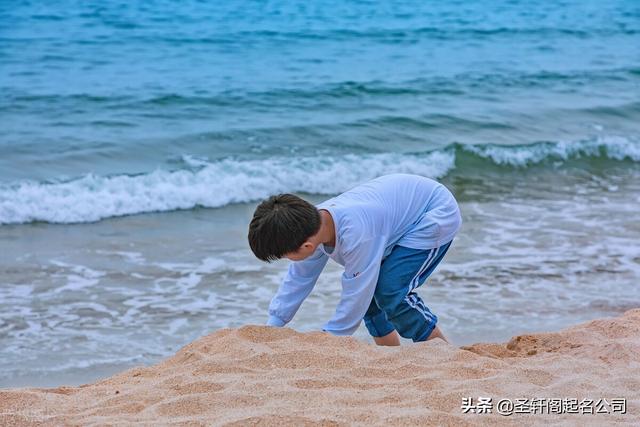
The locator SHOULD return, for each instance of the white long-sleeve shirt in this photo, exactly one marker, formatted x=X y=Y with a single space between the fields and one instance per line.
x=370 y=219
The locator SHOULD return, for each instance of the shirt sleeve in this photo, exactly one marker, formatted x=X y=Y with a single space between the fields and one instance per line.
x=362 y=266
x=295 y=288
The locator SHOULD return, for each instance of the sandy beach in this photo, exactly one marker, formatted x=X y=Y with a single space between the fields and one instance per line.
x=255 y=375
x=139 y=138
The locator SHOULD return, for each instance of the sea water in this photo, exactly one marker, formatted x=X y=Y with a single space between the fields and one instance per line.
x=136 y=139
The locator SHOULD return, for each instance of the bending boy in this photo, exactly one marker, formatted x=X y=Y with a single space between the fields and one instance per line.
x=389 y=234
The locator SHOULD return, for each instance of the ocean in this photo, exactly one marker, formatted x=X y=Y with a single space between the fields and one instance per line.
x=137 y=138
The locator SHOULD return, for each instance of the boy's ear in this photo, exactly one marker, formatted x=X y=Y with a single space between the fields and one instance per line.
x=307 y=245
x=307 y=248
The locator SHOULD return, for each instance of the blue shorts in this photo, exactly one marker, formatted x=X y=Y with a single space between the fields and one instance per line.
x=395 y=304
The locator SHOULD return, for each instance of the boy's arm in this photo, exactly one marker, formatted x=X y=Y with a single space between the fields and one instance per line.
x=296 y=286
x=362 y=266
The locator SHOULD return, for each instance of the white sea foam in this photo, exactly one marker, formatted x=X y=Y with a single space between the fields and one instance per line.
x=215 y=184
x=617 y=148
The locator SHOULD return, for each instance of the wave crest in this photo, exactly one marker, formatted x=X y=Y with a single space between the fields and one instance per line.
x=216 y=184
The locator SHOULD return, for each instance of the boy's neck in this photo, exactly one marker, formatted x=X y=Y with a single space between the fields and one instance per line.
x=327 y=233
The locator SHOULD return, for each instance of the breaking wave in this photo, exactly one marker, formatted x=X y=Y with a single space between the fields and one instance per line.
x=212 y=184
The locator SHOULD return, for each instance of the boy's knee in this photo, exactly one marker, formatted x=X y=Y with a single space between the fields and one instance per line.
x=395 y=307
x=391 y=304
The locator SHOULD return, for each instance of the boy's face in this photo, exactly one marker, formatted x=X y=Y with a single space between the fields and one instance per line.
x=306 y=250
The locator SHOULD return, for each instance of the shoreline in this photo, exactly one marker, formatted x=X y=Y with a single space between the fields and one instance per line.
x=270 y=376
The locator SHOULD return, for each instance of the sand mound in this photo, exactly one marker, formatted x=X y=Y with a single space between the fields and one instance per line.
x=266 y=376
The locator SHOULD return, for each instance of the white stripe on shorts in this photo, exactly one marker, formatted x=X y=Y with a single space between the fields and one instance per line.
x=412 y=301
x=430 y=258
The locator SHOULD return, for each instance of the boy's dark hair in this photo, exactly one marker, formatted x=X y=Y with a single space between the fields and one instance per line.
x=280 y=225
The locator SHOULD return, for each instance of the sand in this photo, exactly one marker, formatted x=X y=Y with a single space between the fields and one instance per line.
x=263 y=376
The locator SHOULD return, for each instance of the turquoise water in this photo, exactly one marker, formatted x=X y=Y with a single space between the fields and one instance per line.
x=109 y=98
x=135 y=140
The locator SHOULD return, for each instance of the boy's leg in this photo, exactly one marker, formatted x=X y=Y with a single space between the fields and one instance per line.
x=437 y=333
x=391 y=339
x=401 y=272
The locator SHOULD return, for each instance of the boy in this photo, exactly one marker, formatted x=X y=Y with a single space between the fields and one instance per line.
x=389 y=234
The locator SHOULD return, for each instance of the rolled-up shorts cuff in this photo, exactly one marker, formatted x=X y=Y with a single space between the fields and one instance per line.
x=378 y=325
x=431 y=325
